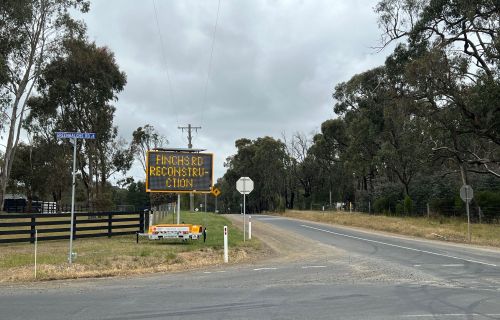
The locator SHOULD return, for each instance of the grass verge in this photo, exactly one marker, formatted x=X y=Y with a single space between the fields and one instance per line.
x=447 y=229
x=119 y=256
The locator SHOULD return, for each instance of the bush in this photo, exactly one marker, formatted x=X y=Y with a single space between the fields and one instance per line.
x=445 y=206
x=381 y=205
x=400 y=209
x=408 y=205
x=489 y=202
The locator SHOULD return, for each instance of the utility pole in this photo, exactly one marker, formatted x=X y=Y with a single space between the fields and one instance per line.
x=189 y=129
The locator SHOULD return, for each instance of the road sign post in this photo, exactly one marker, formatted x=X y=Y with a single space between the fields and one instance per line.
x=467 y=194
x=244 y=185
x=215 y=192
x=74 y=136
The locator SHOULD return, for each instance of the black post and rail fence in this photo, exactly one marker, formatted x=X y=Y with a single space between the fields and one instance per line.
x=21 y=227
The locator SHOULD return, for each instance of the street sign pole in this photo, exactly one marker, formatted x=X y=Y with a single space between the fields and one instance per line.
x=466 y=193
x=468 y=214
x=73 y=136
x=244 y=220
x=70 y=256
x=244 y=185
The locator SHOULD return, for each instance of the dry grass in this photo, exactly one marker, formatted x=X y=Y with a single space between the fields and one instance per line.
x=118 y=256
x=447 y=229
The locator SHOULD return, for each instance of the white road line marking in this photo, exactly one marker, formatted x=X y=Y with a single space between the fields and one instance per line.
x=452 y=265
x=310 y=267
x=401 y=247
x=221 y=271
x=417 y=265
x=439 y=315
x=207 y=272
x=259 y=269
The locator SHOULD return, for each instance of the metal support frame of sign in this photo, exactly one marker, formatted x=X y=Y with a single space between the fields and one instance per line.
x=74 y=136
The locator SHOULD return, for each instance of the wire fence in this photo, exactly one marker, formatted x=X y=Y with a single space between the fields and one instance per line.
x=478 y=214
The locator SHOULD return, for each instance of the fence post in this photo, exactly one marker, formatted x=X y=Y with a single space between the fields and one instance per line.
x=141 y=222
x=428 y=211
x=146 y=220
x=32 y=228
x=110 y=223
x=74 y=229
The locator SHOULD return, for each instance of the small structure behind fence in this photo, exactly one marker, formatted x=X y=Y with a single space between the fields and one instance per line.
x=21 y=227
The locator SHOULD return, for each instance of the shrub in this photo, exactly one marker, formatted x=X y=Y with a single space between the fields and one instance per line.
x=400 y=209
x=381 y=205
x=408 y=205
x=489 y=202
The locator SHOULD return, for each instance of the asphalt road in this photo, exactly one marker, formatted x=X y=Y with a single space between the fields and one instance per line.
x=358 y=275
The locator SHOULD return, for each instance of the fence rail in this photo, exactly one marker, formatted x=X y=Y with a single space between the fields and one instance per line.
x=21 y=227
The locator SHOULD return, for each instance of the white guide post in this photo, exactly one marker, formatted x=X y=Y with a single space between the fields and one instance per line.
x=226 y=254
x=249 y=227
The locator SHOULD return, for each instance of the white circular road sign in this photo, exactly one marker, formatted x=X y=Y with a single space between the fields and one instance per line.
x=244 y=185
x=466 y=193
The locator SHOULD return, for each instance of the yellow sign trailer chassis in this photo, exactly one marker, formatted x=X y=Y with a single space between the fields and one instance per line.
x=173 y=231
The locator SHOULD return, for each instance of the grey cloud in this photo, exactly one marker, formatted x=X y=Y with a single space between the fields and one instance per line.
x=274 y=68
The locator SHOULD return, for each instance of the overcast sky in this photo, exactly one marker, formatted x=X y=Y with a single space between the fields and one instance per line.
x=275 y=64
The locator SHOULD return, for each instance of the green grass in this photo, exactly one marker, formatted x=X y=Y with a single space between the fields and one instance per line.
x=215 y=225
x=121 y=255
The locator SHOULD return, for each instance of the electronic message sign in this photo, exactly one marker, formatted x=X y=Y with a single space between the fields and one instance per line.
x=172 y=171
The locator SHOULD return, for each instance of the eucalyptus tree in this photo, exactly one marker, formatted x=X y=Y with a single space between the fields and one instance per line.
x=263 y=160
x=359 y=103
x=31 y=33
x=146 y=138
x=41 y=169
x=451 y=65
x=76 y=91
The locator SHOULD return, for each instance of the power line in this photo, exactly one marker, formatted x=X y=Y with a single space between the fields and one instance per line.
x=210 y=63
x=164 y=58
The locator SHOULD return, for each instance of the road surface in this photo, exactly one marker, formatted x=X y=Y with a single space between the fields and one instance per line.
x=323 y=272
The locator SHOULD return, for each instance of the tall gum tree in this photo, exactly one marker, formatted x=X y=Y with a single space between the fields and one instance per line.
x=31 y=32
x=76 y=90
x=453 y=51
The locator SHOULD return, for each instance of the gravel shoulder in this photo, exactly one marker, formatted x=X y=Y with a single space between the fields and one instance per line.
x=288 y=248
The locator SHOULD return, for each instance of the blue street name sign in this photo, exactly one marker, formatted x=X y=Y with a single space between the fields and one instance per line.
x=75 y=135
